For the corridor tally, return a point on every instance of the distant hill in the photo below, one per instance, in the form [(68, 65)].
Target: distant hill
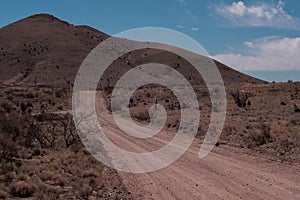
[(45, 50)]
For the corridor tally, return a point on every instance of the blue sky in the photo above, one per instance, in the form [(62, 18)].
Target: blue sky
[(258, 37)]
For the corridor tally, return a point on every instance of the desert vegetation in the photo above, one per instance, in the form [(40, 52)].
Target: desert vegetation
[(41, 154), (261, 119)]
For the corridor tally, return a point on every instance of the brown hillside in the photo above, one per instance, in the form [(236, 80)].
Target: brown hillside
[(48, 51), (46, 48)]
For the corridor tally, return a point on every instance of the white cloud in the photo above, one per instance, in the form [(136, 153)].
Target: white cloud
[(267, 54), (195, 28), (238, 8), (261, 14), (179, 26), (249, 44)]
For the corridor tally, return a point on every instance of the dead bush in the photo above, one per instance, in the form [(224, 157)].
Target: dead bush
[(69, 131), (85, 191), (45, 192), (46, 175), (260, 135), (22, 189), (59, 180), (11, 127), (240, 98), (30, 95), (59, 93), (9, 177), (6, 167), (36, 152), (8, 107), (296, 108), (88, 173), (142, 116)]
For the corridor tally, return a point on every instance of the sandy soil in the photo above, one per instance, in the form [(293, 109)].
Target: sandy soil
[(226, 173)]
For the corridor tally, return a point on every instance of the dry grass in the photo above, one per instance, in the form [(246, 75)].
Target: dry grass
[(265, 125), (41, 155), (60, 171)]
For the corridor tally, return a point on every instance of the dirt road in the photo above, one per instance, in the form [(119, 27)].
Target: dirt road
[(226, 173)]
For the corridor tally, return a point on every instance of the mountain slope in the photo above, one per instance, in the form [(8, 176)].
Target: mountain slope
[(44, 50)]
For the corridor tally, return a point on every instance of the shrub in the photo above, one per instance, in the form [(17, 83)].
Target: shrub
[(30, 95), (142, 116), (9, 177), (22, 189), (36, 152), (261, 135), (296, 108), (85, 191), (240, 98), (46, 193), (7, 107), (59, 180), (283, 103), (88, 173), (46, 175), (59, 93), (11, 127), (6, 167)]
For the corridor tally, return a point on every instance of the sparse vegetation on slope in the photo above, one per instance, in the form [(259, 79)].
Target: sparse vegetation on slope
[(41, 156)]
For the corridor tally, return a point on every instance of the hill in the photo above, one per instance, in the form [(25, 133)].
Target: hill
[(44, 50)]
